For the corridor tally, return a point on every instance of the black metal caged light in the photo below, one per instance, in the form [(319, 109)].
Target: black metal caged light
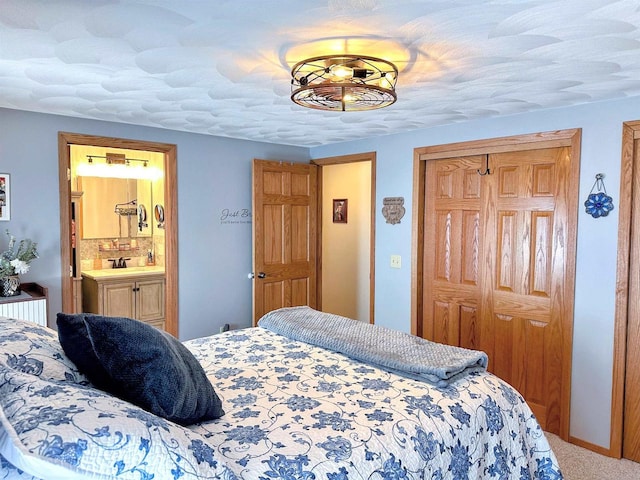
[(344, 83)]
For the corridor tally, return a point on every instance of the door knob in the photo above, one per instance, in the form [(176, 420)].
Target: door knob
[(260, 275)]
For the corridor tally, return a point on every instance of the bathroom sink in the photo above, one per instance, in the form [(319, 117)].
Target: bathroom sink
[(123, 272), (152, 269)]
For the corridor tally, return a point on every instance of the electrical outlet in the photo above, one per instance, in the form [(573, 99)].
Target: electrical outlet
[(396, 261), (224, 328)]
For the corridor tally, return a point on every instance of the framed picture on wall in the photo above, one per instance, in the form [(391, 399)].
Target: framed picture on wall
[(5, 197), (340, 210)]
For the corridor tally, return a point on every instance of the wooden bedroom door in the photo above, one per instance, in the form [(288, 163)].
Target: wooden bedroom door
[(284, 235), (495, 267), (625, 436)]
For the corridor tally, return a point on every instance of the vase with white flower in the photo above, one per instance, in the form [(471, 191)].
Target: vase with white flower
[(14, 261)]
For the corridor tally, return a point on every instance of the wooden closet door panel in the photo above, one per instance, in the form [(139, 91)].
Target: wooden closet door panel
[(518, 305), (525, 277), (494, 266), (452, 239)]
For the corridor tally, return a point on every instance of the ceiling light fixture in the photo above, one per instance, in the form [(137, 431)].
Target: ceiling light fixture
[(344, 83)]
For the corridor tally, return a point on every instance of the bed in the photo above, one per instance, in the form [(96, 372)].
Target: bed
[(292, 410)]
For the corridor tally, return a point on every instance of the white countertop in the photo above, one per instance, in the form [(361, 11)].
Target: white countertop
[(112, 273)]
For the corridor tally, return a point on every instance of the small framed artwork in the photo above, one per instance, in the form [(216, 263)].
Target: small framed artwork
[(5, 197), (340, 210)]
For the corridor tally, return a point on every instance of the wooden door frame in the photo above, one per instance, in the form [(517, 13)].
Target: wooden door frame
[(342, 159), (561, 138), (626, 260), (65, 140)]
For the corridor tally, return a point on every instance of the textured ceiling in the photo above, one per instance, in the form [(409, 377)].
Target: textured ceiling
[(222, 67)]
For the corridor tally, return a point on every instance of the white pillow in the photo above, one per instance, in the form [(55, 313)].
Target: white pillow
[(55, 425), (30, 348)]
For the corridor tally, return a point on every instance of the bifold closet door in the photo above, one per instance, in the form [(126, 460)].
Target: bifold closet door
[(494, 266)]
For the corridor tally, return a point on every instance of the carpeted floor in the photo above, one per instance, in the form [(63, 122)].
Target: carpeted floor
[(578, 463)]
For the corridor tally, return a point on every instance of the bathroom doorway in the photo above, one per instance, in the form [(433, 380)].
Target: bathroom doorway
[(146, 236)]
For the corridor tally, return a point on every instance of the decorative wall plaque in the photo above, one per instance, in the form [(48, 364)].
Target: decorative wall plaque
[(598, 204), (393, 209)]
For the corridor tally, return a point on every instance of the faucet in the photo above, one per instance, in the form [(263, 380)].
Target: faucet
[(119, 263)]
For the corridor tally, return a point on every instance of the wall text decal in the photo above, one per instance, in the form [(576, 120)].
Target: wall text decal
[(231, 216)]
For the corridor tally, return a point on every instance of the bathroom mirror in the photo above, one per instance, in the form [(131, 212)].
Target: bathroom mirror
[(114, 207)]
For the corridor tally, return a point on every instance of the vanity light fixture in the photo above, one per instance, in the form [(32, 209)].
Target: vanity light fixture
[(117, 165), (344, 83)]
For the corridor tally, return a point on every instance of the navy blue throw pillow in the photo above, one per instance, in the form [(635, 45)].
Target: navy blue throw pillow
[(140, 364), (77, 346)]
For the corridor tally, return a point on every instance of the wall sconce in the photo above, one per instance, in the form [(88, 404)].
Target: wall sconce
[(117, 165)]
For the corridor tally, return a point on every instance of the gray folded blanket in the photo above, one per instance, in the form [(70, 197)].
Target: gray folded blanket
[(389, 349)]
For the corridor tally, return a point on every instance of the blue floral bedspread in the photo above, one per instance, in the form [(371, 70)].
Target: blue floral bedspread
[(293, 411)]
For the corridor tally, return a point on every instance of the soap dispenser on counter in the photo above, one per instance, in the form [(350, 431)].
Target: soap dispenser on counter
[(150, 259)]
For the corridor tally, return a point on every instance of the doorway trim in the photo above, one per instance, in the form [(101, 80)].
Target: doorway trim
[(341, 159), (561, 138), (627, 258), (65, 140)]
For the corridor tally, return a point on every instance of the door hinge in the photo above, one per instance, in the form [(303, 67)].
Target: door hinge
[(71, 270), (68, 174)]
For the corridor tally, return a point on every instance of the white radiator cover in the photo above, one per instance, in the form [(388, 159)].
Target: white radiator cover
[(32, 310)]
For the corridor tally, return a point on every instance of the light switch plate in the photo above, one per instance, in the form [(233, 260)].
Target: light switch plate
[(396, 261)]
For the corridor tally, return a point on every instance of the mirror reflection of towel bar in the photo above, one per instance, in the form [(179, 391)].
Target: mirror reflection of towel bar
[(126, 211)]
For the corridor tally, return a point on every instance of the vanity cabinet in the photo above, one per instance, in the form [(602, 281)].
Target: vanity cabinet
[(139, 297)]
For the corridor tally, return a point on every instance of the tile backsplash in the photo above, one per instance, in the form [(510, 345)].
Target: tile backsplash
[(95, 253)]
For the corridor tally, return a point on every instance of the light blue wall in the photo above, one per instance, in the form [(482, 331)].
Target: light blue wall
[(601, 125), (214, 173)]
